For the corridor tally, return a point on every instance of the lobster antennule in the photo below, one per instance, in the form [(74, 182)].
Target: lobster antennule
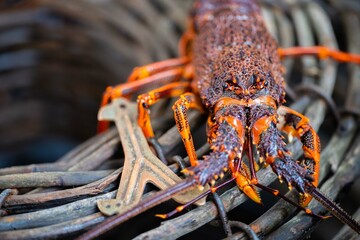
[(335, 209)]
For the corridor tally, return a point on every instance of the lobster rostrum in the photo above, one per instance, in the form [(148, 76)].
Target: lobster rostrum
[(230, 67)]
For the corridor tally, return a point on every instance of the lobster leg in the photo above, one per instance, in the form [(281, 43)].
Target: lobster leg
[(186, 40), (151, 69), (295, 124), (245, 184), (186, 101), (321, 51), (126, 89), (147, 99)]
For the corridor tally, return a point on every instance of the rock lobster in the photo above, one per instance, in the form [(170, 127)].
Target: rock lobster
[(230, 67)]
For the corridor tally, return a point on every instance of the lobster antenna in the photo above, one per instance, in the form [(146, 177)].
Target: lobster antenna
[(143, 206), (335, 209)]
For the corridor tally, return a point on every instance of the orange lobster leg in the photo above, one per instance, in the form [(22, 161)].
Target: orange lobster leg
[(186, 101), (149, 70), (243, 182), (321, 51), (186, 40), (129, 88), (147, 99), (247, 188), (297, 125)]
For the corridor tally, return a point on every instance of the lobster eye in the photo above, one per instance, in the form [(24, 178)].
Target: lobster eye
[(229, 85), (257, 82), (225, 85), (253, 79)]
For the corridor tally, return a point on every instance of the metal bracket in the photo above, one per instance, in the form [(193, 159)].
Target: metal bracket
[(141, 166)]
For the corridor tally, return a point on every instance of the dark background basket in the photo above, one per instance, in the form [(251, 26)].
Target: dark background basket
[(56, 59)]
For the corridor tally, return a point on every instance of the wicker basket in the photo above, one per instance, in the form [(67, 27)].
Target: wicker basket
[(58, 57)]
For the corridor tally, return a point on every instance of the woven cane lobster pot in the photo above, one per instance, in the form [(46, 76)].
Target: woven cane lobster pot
[(56, 59)]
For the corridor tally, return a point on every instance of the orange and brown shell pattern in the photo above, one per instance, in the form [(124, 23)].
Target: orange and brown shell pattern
[(238, 75)]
